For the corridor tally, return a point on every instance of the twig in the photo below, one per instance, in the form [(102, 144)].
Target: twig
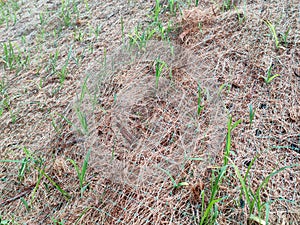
[(23, 193)]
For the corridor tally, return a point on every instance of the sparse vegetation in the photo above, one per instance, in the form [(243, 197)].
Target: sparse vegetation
[(115, 112), (269, 77), (81, 173)]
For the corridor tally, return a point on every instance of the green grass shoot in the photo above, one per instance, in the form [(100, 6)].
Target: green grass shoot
[(82, 173), (268, 79)]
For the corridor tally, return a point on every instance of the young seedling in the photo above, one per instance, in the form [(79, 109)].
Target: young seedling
[(140, 38), (65, 13), (122, 30), (270, 76), (253, 198), (172, 6), (63, 74), (273, 32), (104, 57), (81, 173), (64, 70), (175, 184), (24, 164), (157, 10), (251, 114), (230, 127), (53, 61), (226, 5), (83, 121), (241, 17), (97, 30), (284, 36), (9, 56), (159, 65), (42, 19), (210, 213), (25, 203), (38, 165), (199, 101), (162, 30)]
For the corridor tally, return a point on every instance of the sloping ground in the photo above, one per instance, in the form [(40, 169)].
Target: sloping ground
[(79, 92)]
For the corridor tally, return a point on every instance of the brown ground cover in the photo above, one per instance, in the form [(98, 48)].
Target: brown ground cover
[(72, 86)]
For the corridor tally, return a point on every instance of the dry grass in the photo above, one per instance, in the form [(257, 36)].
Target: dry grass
[(143, 136)]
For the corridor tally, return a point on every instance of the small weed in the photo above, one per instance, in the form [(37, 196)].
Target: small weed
[(162, 30), (24, 164), (251, 114), (172, 6), (159, 65), (4, 104), (175, 184), (226, 5), (9, 55), (284, 36), (12, 58), (4, 222), (37, 164), (200, 26), (25, 203), (200, 107), (104, 57), (240, 15), (63, 74), (42, 173), (97, 30), (13, 117), (66, 13), (78, 35), (8, 12), (140, 38), (42, 19), (273, 32), (268, 79), (210, 213), (53, 61), (58, 222), (3, 87), (81, 173), (253, 198), (157, 10), (122, 30), (83, 121), (230, 127)]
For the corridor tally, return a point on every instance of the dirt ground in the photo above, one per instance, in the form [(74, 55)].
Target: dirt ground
[(75, 88)]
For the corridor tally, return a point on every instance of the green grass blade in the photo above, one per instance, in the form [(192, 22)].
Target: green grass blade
[(40, 176), (249, 167), (170, 176), (218, 181), (84, 167), (266, 180), (208, 210), (242, 181), (63, 192), (76, 167)]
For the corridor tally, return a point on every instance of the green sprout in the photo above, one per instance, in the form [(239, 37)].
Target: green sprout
[(270, 76)]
